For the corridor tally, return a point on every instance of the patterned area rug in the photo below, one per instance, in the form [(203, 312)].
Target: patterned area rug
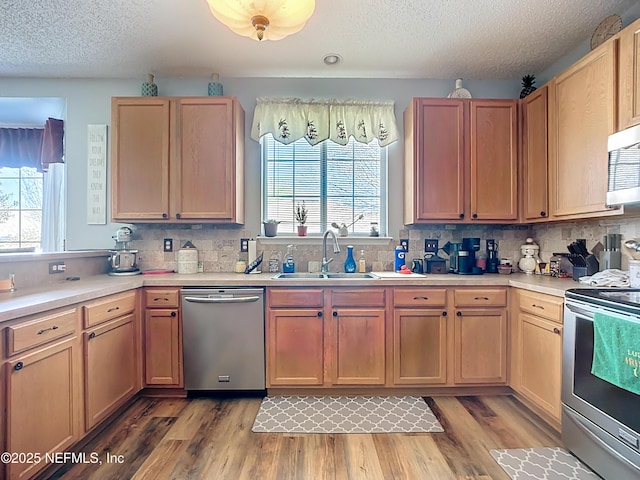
[(542, 464), (345, 415)]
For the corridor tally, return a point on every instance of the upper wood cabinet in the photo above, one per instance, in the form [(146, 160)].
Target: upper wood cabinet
[(629, 80), (177, 160), (534, 156), (582, 103), (460, 161)]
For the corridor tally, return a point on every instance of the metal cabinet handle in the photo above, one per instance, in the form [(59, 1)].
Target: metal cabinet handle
[(319, 314), (157, 299), (421, 298), (178, 215), (461, 215), (475, 215), (538, 306), (18, 366), (556, 330), (459, 314), (113, 309), (53, 327), (444, 314), (335, 314), (173, 314), (543, 214), (481, 298), (92, 335), (164, 215)]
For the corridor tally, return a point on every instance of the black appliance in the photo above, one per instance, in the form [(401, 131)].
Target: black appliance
[(432, 262), (492, 256), (452, 249), (600, 421), (467, 257)]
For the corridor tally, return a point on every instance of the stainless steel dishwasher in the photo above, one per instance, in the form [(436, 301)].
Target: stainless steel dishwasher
[(223, 338)]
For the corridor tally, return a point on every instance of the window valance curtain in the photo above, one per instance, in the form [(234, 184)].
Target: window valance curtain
[(32, 147), (290, 119)]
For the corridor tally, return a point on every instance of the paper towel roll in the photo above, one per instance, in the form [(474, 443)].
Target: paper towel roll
[(188, 260)]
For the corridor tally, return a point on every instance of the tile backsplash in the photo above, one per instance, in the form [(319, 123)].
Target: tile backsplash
[(218, 247)]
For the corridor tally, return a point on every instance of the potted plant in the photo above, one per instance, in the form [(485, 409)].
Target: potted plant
[(301, 218), (270, 227)]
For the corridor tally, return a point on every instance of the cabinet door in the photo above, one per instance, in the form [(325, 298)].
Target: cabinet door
[(480, 346), (629, 81), (494, 160), (541, 362), (358, 345), (139, 158), (295, 347), (535, 194), (583, 103), (44, 403), (163, 348), (205, 175), (109, 368), (419, 346), (435, 160)]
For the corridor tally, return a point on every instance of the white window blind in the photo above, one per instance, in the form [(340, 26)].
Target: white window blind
[(337, 183)]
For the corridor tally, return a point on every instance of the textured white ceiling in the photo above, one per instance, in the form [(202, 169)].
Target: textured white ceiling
[(479, 39)]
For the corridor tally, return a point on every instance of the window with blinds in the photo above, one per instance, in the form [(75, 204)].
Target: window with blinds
[(336, 183)]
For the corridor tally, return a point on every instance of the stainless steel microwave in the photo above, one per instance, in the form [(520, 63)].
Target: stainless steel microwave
[(624, 167)]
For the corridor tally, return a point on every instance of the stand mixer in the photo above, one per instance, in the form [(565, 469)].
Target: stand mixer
[(122, 260)]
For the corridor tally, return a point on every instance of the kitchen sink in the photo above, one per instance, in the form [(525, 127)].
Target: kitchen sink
[(298, 275), (330, 275)]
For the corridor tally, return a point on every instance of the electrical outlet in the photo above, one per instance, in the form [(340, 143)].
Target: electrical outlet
[(404, 242), (244, 244), (168, 244), (57, 267)]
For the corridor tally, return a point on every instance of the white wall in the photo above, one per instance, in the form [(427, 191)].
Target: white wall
[(88, 102)]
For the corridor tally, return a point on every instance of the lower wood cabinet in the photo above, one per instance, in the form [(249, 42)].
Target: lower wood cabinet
[(536, 357), (110, 368), (295, 347), (44, 403), (358, 346)]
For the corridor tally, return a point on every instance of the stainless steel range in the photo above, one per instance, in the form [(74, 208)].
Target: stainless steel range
[(600, 421)]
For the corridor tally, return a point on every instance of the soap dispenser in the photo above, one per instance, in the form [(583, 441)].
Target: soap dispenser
[(289, 266)]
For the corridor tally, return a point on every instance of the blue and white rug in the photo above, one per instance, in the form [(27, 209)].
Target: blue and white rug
[(307, 414), (542, 464)]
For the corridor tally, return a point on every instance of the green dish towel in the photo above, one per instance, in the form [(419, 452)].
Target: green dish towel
[(616, 351)]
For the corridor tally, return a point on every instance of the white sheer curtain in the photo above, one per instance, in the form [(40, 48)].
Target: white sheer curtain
[(290, 119), (53, 208)]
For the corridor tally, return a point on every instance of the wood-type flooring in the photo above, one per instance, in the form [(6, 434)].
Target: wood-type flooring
[(210, 438)]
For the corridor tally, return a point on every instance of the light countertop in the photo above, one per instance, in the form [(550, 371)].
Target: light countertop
[(36, 300)]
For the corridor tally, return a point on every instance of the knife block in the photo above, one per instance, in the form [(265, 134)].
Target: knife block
[(610, 259), (589, 266)]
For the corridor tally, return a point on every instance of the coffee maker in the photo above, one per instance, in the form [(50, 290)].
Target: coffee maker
[(432, 262), (467, 256), (452, 249), (122, 260)]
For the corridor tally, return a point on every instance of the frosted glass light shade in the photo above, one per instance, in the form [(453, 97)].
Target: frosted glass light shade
[(263, 19)]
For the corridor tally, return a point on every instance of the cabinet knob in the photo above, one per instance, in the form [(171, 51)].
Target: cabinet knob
[(177, 215), (556, 330), (173, 314), (319, 314), (18, 366), (543, 214), (461, 215), (92, 335), (335, 314), (475, 215), (444, 314), (459, 314), (164, 215)]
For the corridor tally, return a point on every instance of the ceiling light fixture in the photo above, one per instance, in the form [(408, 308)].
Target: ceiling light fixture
[(332, 59), (263, 19)]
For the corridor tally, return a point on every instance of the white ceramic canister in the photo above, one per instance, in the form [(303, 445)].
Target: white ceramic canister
[(188, 260), (634, 273)]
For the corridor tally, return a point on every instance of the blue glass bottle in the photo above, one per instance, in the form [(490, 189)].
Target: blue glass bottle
[(350, 263)]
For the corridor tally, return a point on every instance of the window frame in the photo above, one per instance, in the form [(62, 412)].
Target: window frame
[(324, 224)]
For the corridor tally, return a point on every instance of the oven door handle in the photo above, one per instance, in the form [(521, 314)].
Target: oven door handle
[(600, 442), (580, 311)]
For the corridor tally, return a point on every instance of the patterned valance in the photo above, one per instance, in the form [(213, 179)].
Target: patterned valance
[(290, 119)]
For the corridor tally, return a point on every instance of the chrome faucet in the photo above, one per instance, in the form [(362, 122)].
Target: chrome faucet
[(336, 249)]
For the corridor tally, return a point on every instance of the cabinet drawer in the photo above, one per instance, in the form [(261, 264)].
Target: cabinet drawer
[(43, 329), (541, 305), (293, 297), (419, 297), (162, 297), (358, 297), (481, 297), (108, 308)]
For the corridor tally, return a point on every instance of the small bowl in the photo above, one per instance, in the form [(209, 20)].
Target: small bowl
[(504, 269)]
